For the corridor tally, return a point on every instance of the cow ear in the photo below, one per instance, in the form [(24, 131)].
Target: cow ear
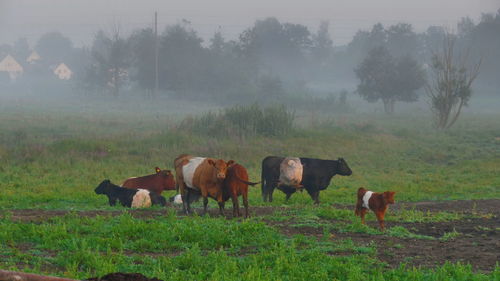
[(157, 170), (230, 162), (211, 162)]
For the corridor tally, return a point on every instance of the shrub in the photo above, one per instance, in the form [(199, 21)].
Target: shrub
[(242, 121)]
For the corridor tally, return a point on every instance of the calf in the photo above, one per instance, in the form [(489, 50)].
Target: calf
[(377, 202), (162, 180), (135, 198), (203, 175), (235, 184)]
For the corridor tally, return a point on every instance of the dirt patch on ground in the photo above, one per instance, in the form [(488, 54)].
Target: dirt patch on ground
[(475, 240), (486, 206), (118, 276)]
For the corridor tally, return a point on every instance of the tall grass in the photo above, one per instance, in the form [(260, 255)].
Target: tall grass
[(242, 121)]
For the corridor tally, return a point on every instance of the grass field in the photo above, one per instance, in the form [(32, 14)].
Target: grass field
[(52, 157)]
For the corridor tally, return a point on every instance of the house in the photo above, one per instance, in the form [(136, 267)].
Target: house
[(12, 67), (33, 58), (63, 72)]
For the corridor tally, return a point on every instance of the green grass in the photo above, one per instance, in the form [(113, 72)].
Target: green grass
[(196, 248), (53, 158)]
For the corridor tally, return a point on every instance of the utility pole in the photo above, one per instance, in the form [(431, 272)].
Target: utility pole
[(156, 55)]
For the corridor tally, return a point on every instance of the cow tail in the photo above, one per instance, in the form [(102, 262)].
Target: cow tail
[(247, 182)]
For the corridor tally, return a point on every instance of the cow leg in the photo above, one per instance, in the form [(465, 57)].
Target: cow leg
[(380, 218), (236, 207), (187, 203), (264, 191), (288, 195), (205, 204), (362, 214), (185, 197), (221, 208), (112, 201), (245, 203), (314, 195)]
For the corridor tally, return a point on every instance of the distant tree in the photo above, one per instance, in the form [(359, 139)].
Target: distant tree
[(451, 85), (271, 86), (182, 59), (433, 39), (276, 47), (483, 41), (365, 41), (22, 49), (142, 44), (322, 44), (110, 61), (383, 77), (402, 40), (53, 47)]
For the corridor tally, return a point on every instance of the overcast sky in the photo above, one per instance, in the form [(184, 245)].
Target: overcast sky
[(80, 19)]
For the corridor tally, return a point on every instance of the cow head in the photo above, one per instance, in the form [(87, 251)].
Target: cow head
[(167, 179), (103, 187), (220, 167), (389, 197), (343, 169)]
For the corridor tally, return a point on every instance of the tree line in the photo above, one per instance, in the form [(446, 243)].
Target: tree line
[(270, 60)]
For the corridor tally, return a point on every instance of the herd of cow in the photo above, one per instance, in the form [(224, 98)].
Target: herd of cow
[(197, 177)]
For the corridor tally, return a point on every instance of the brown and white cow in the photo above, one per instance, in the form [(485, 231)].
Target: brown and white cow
[(203, 175), (236, 184), (162, 180), (377, 202)]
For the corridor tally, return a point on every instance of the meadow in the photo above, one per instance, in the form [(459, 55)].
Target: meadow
[(52, 156)]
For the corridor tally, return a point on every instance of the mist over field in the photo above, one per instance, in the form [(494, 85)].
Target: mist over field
[(399, 97)]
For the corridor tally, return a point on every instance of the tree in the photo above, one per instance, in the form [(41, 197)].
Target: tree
[(322, 44), (142, 44), (53, 47), (383, 77), (22, 49), (401, 40), (110, 61), (450, 88), (182, 58), (276, 47)]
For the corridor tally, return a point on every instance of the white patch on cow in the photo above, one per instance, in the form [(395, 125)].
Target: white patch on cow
[(189, 169), (291, 171), (141, 199), (367, 197), (178, 199)]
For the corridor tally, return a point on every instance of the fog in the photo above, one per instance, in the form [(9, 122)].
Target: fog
[(214, 54), (79, 20)]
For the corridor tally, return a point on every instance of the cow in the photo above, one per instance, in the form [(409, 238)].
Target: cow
[(162, 180), (128, 197), (235, 184), (317, 174), (377, 202), (204, 175)]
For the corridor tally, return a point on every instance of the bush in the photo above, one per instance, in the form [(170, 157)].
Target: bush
[(243, 121)]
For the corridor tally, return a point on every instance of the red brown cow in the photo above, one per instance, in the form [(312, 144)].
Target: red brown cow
[(236, 184), (203, 175), (162, 180), (377, 202)]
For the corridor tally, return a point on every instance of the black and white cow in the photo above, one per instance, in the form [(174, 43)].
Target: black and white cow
[(135, 198), (316, 176)]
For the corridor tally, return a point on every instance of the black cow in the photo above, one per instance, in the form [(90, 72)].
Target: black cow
[(316, 176), (125, 195)]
